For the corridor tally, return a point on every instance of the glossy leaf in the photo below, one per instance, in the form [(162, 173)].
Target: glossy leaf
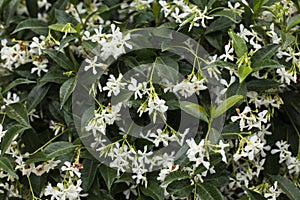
[(59, 148), (153, 190), (208, 192), (293, 21), (61, 59), (19, 81), (225, 105), (35, 25), (36, 95), (108, 174), (174, 176), (195, 110), (6, 166), (254, 195), (66, 90), (287, 186), (239, 45), (18, 112)]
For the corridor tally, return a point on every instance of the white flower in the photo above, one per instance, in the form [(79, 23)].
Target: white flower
[(273, 192), (71, 169), (155, 104), (2, 132), (138, 171), (41, 66), (273, 35), (37, 46), (283, 151), (242, 117), (92, 64), (221, 151), (139, 88), (160, 137), (286, 76), (228, 53), (244, 33), (114, 85), (196, 153)]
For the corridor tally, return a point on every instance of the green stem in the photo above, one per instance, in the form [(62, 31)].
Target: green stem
[(47, 143)]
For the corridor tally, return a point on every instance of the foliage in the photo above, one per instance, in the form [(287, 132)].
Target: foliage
[(92, 92)]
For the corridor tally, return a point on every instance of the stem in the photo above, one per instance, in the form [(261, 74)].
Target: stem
[(39, 149), (31, 190)]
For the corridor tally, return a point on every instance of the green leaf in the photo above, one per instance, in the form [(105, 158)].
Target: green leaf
[(35, 25), (153, 190), (215, 39), (180, 188), (239, 45), (54, 75), (37, 157), (108, 174), (88, 173), (293, 22), (64, 18), (208, 192), (64, 28), (243, 71), (225, 105), (19, 81), (228, 13), (195, 110), (36, 95), (32, 7), (174, 176), (264, 53), (6, 166), (263, 64), (38, 182), (66, 90), (167, 67), (60, 58), (287, 186), (257, 4), (18, 112), (12, 133), (219, 24), (57, 149), (254, 195), (262, 84)]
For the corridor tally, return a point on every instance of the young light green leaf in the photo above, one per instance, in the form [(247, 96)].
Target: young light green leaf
[(174, 176), (208, 192), (65, 28), (12, 133), (194, 109), (35, 25), (239, 45), (18, 112), (254, 195), (153, 190), (57, 149), (19, 81), (36, 95), (287, 186), (108, 174), (225, 105), (6, 166), (293, 21), (66, 90), (60, 58), (243, 71)]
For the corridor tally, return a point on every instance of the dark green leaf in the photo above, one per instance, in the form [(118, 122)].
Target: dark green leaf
[(265, 53), (153, 190), (56, 149), (262, 84), (35, 25), (180, 188), (54, 75), (167, 67), (228, 13), (295, 20), (208, 192), (32, 7), (266, 64), (18, 112), (239, 45), (60, 58), (6, 166), (36, 95), (38, 182), (108, 174), (37, 157), (254, 195), (64, 18), (17, 82), (219, 24), (174, 176), (12, 133), (88, 173), (66, 90), (225, 105), (287, 186)]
